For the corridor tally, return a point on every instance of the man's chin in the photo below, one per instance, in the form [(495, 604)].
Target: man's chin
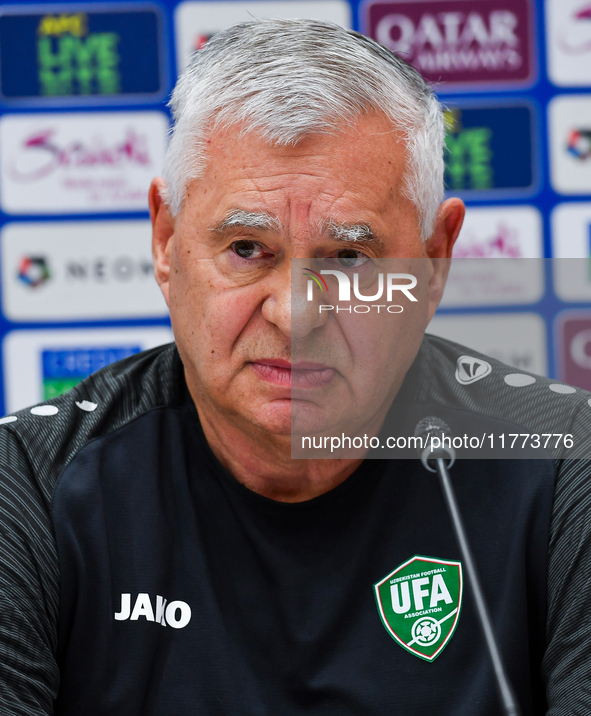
[(290, 417), (273, 417)]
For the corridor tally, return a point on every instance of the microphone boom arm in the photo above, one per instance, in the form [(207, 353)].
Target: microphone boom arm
[(508, 699)]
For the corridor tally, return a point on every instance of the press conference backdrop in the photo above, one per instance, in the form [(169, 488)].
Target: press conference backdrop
[(83, 129)]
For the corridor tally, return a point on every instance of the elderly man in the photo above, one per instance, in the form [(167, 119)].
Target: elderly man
[(163, 551)]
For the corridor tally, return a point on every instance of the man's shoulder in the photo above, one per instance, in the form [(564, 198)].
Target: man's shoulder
[(464, 379), (45, 437)]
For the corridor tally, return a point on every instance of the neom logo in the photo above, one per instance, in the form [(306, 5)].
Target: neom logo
[(390, 283), (579, 143), (101, 269), (34, 271)]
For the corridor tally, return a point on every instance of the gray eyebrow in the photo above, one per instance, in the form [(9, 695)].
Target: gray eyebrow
[(248, 220), (263, 221), (349, 232)]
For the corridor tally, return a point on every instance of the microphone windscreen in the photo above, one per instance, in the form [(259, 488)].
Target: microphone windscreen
[(432, 426), (436, 438)]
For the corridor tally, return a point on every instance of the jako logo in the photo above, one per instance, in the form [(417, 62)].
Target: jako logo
[(176, 614), (345, 290), (470, 369)]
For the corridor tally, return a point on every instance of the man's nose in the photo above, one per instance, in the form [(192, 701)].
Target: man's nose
[(288, 303)]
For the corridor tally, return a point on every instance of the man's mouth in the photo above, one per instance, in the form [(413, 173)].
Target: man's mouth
[(303, 374)]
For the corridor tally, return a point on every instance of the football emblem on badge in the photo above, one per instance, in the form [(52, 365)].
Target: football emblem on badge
[(426, 631), (419, 604)]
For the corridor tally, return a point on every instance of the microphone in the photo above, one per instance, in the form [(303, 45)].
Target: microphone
[(438, 458), (431, 429)]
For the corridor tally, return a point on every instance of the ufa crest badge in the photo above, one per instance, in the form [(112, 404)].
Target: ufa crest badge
[(420, 603)]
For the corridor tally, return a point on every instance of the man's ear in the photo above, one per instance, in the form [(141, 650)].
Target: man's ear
[(450, 218), (440, 246), (162, 233)]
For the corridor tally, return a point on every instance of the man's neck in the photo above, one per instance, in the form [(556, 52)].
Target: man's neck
[(264, 465)]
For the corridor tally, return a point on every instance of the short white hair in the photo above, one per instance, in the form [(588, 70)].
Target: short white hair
[(289, 79)]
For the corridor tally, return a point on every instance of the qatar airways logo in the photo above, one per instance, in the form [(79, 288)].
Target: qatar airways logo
[(456, 41), (387, 285)]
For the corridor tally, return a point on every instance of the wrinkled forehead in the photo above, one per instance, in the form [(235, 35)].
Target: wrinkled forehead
[(359, 135), (361, 165)]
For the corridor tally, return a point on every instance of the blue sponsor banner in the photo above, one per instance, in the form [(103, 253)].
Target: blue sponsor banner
[(81, 362), (490, 149), (65, 368), (81, 53)]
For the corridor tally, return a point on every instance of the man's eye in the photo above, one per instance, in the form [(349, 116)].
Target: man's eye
[(248, 249), (349, 258)]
